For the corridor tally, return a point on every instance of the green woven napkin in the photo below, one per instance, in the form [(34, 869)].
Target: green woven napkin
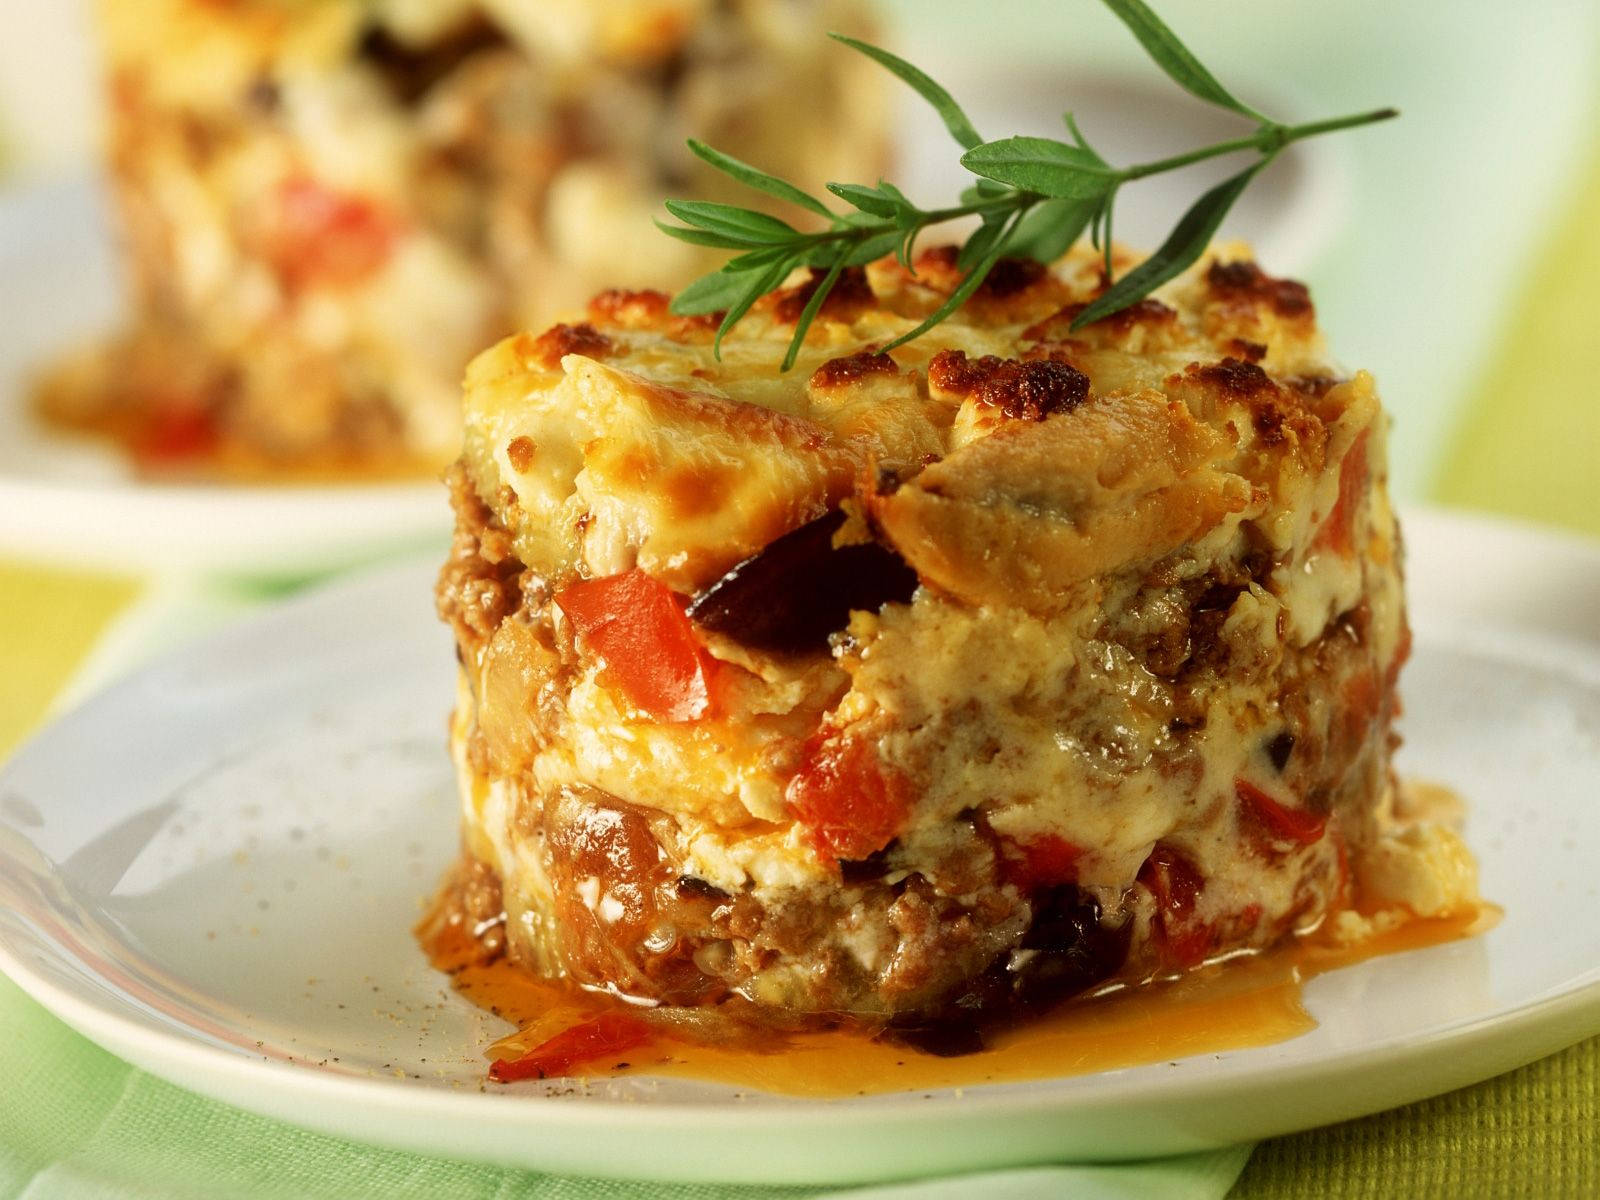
[(77, 1123), (1532, 1133)]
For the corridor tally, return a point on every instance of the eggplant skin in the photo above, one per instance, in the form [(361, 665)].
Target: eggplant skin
[(801, 589)]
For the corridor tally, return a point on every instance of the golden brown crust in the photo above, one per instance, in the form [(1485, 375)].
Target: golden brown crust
[(936, 267), (1148, 311), (620, 308), (852, 368), (687, 458), (1025, 390), (520, 452), (555, 343), (1244, 281), (848, 297), (1009, 354)]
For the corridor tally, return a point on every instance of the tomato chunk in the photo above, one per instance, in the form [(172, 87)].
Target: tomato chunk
[(1338, 531), (1287, 824), (177, 432), (635, 625), (1175, 883), (321, 236), (608, 1034), (1043, 861), (851, 803)]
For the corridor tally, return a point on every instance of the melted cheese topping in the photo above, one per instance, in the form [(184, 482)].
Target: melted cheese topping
[(1177, 432)]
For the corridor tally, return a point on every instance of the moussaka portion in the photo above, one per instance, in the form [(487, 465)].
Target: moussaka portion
[(938, 685), (329, 207)]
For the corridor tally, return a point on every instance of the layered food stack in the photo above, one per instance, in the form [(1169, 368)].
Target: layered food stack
[(330, 205), (929, 687)]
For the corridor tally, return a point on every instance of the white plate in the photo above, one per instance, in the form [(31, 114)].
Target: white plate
[(66, 499), (211, 870)]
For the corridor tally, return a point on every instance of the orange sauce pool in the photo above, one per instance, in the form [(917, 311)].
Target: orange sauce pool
[(232, 461), (1252, 1001)]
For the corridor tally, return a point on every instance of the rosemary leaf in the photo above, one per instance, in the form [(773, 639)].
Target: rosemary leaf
[(943, 103), (1042, 165), (705, 237), (752, 259), (868, 200), (756, 178), (984, 190), (809, 314), (894, 193), (1173, 57), (969, 284), (873, 249), (983, 240), (1183, 247), (1048, 232), (757, 285), (730, 220), (711, 293), (1079, 140), (1108, 206)]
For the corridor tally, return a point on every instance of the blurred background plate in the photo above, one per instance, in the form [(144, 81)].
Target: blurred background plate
[(74, 501)]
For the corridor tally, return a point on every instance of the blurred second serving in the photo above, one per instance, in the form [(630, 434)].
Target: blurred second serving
[(329, 205)]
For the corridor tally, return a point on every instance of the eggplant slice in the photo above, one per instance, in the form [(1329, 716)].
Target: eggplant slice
[(802, 588)]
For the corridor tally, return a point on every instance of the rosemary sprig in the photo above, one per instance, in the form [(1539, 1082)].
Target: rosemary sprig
[(1034, 197)]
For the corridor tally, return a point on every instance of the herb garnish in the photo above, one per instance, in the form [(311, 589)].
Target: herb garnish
[(1034, 196)]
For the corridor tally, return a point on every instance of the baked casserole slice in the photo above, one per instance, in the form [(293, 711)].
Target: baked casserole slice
[(936, 686), (329, 206)]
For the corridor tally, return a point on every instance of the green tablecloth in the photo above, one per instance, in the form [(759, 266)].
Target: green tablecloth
[(78, 1124)]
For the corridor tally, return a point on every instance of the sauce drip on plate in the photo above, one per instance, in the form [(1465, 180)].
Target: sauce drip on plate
[(1247, 1001)]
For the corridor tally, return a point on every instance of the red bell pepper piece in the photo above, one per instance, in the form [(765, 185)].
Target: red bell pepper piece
[(177, 432), (1284, 823), (851, 803), (1040, 862), (610, 1033), (320, 236), (638, 629), (1175, 884), (1338, 531)]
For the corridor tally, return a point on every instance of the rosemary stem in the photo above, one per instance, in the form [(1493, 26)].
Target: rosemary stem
[(1268, 138), (865, 230), (1295, 132), (1161, 165)]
